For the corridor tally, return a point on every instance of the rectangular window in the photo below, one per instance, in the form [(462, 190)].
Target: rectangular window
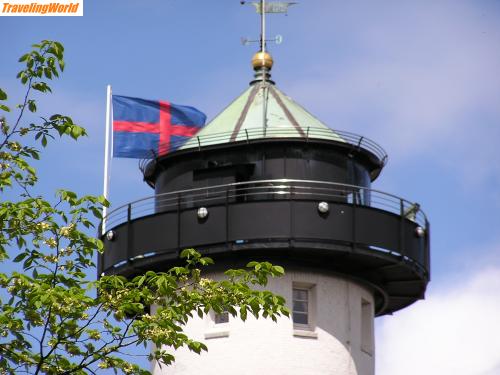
[(366, 327), (217, 325), (221, 318), (301, 306), (304, 310)]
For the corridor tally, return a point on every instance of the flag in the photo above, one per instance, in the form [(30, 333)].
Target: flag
[(145, 128)]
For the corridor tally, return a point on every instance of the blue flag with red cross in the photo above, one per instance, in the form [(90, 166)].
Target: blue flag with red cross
[(145, 129)]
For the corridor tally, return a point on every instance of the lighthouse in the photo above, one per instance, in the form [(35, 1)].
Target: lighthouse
[(266, 180)]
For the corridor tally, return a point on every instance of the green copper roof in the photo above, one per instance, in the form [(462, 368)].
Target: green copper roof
[(243, 119)]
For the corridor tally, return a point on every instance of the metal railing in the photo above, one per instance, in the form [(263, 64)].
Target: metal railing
[(267, 190), (307, 133)]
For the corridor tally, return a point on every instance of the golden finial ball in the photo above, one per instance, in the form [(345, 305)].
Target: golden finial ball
[(262, 60)]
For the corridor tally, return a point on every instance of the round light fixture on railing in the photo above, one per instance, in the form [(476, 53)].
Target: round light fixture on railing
[(419, 231), (202, 213), (323, 207), (110, 235)]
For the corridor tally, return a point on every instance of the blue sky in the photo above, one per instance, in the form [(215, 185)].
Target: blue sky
[(421, 78)]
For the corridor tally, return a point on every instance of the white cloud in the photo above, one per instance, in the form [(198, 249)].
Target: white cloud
[(456, 330)]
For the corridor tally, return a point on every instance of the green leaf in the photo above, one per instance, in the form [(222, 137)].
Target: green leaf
[(4, 108), (48, 73), (3, 95), (141, 280), (20, 257), (32, 106), (41, 86), (243, 313), (24, 57), (75, 132), (278, 270), (59, 46)]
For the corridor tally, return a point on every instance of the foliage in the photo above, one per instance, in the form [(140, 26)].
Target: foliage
[(52, 319)]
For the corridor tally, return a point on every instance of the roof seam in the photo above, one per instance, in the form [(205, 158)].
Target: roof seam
[(244, 113), (288, 114)]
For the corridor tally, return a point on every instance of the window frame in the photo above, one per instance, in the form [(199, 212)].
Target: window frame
[(224, 317), (213, 329), (309, 329), (307, 312)]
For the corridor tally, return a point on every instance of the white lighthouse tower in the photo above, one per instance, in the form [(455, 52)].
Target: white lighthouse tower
[(275, 183), (331, 332)]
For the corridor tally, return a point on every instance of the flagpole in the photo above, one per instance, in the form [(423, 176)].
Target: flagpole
[(109, 113)]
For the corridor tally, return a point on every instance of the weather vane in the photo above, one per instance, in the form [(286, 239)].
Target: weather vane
[(263, 7), (262, 61)]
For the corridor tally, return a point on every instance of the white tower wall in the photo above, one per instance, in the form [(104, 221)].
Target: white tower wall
[(338, 340)]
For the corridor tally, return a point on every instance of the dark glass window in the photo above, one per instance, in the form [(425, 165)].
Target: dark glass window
[(221, 318), (300, 306)]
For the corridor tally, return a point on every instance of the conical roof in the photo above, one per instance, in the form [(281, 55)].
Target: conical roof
[(262, 111)]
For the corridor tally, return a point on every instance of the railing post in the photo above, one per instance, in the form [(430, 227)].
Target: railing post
[(292, 216), (129, 233), (401, 227), (427, 248), (360, 142), (179, 222), (354, 245), (227, 217)]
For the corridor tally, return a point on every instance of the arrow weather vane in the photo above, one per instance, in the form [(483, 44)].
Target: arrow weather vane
[(263, 7)]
